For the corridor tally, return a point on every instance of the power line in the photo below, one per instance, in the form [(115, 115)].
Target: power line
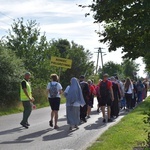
[(5, 22), (3, 28), (7, 16)]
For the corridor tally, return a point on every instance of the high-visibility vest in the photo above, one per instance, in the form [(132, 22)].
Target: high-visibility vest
[(23, 96)]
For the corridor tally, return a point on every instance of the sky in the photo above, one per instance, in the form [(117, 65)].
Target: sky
[(60, 19)]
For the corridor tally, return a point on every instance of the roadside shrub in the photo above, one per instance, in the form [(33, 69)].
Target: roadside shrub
[(11, 70)]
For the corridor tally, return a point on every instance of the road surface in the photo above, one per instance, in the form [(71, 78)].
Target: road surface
[(40, 136)]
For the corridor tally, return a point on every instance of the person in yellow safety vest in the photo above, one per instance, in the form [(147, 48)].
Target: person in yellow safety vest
[(26, 98)]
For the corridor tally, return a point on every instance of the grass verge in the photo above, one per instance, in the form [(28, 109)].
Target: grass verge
[(19, 108), (128, 133)]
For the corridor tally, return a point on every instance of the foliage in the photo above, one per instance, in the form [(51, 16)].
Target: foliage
[(111, 68), (11, 70), (126, 25), (25, 40), (35, 51), (130, 68), (81, 64)]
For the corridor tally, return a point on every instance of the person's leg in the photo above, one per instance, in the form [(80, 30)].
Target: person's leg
[(98, 104), (130, 100), (27, 111), (108, 111), (103, 111), (52, 115), (140, 96), (88, 111), (84, 112), (127, 100), (51, 103), (90, 104), (56, 106), (55, 118)]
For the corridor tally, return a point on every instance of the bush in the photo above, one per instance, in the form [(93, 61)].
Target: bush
[(11, 70)]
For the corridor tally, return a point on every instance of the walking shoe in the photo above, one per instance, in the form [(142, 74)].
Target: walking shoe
[(24, 125), (56, 127), (76, 127), (109, 120), (84, 119), (70, 128), (88, 117), (51, 123), (104, 120), (27, 124)]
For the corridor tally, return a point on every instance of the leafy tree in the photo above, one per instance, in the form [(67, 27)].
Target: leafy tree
[(63, 45), (25, 40), (126, 25), (81, 60), (11, 71), (111, 68), (147, 62), (130, 68)]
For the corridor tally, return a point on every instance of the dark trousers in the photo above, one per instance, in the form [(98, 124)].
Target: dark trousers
[(139, 96), (27, 111), (83, 111), (128, 100)]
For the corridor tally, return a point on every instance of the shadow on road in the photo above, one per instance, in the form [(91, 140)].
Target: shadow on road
[(63, 132), (62, 119), (25, 138), (98, 124), (10, 131)]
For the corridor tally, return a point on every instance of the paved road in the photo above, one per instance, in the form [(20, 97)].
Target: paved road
[(42, 137)]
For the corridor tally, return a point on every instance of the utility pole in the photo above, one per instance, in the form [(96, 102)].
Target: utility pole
[(99, 52)]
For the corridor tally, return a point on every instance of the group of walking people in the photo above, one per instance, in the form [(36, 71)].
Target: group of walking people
[(110, 92)]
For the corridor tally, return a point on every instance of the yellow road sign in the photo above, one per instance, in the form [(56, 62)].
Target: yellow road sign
[(61, 62)]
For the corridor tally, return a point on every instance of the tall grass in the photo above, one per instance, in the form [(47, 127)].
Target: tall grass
[(41, 101)]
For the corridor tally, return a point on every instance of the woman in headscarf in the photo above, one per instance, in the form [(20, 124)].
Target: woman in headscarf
[(74, 99)]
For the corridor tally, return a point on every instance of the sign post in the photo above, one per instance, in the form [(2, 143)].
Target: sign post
[(61, 62)]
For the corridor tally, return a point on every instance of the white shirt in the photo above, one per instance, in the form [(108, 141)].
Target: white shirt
[(130, 89), (59, 87)]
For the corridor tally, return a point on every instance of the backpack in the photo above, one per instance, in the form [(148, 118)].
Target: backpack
[(139, 87), (53, 90), (104, 91), (85, 89)]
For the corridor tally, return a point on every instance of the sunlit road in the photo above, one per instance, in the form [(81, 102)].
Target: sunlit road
[(40, 136)]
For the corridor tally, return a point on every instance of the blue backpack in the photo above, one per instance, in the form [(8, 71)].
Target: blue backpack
[(53, 90)]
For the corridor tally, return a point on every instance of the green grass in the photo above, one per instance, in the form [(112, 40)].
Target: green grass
[(19, 108), (128, 133)]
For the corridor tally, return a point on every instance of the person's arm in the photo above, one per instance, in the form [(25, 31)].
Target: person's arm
[(26, 93), (60, 89), (24, 87), (119, 92), (112, 94)]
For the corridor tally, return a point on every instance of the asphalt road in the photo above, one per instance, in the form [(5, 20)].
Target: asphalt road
[(40, 136)]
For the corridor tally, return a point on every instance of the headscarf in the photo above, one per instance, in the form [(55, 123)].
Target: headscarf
[(75, 94)]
